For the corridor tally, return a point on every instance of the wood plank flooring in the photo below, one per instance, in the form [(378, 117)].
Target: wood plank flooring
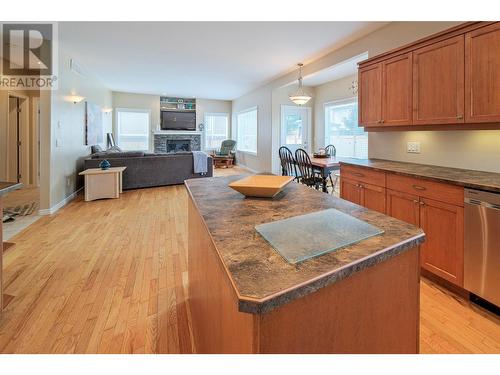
[(110, 277)]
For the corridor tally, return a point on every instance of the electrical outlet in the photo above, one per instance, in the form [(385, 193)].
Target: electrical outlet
[(413, 147)]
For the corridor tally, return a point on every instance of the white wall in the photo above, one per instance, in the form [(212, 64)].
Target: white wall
[(280, 96), (468, 149), (262, 99), (328, 92), (212, 106), (67, 124), (152, 103)]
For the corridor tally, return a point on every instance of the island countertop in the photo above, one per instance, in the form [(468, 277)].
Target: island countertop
[(482, 180), (6, 187), (261, 278)]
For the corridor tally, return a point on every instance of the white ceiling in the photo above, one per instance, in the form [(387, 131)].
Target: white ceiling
[(216, 60)]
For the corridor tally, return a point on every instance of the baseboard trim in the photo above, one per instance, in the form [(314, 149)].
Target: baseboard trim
[(61, 204), (247, 168)]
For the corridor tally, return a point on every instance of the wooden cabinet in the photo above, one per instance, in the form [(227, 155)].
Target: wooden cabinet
[(403, 206), (449, 79), (373, 197), (366, 195), (350, 191), (442, 253), (434, 206), (370, 95), (438, 83), (482, 74), (363, 186), (397, 90)]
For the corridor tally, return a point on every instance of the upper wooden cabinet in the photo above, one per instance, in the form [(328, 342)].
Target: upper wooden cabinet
[(397, 90), (449, 79), (482, 74), (370, 95), (438, 83)]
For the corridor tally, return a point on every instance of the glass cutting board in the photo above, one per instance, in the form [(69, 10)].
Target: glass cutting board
[(303, 237)]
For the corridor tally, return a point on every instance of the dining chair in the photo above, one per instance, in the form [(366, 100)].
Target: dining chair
[(332, 151), (308, 175), (288, 164)]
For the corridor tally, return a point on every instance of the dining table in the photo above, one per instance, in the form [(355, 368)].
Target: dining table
[(325, 166)]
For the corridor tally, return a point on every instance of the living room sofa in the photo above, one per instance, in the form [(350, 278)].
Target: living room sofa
[(148, 169)]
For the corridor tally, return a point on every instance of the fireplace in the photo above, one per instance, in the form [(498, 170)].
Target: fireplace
[(177, 145), (165, 142)]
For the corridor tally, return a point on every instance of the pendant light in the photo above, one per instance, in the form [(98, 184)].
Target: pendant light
[(300, 97)]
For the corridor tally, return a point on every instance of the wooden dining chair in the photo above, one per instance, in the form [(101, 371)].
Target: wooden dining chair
[(288, 164), (332, 151), (308, 175)]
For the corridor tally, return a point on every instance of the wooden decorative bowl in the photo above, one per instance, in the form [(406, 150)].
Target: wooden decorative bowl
[(263, 186)]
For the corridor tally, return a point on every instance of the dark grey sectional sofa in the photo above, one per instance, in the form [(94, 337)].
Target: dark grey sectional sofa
[(148, 170)]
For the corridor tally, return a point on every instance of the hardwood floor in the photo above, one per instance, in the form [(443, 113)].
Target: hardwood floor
[(110, 277)]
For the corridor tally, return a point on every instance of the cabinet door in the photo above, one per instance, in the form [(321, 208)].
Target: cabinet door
[(370, 95), (438, 83), (482, 74), (442, 253), (403, 206), (373, 197), (397, 90), (350, 190)]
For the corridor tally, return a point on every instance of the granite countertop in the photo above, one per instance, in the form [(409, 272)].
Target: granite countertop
[(462, 177), (263, 280), (6, 187)]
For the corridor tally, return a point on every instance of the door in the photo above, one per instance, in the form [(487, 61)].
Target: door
[(403, 206), (482, 74), (397, 90), (442, 253), (295, 127), (373, 197), (438, 83), (13, 151), (350, 190), (370, 95)]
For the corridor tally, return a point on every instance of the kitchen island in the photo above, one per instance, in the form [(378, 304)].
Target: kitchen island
[(245, 298), (5, 187)]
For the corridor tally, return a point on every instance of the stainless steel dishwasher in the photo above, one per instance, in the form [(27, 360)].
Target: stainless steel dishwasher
[(482, 245)]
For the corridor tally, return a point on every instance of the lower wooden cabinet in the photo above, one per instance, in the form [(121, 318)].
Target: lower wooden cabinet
[(442, 253), (403, 206), (350, 191), (366, 195)]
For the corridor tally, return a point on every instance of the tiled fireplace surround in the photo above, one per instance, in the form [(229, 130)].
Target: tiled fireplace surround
[(161, 140)]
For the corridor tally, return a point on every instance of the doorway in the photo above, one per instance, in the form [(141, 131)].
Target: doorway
[(13, 140), (296, 127)]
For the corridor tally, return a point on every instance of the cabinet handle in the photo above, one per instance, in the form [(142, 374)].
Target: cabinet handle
[(357, 174), (381, 121), (360, 186), (415, 201), (422, 203), (417, 187), (459, 117)]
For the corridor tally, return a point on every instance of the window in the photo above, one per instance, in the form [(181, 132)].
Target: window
[(246, 129), (133, 129), (342, 131), (216, 129)]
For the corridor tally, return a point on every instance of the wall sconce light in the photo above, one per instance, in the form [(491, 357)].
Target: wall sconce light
[(107, 110), (75, 99)]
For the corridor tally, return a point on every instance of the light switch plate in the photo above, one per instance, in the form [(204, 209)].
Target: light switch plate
[(413, 147)]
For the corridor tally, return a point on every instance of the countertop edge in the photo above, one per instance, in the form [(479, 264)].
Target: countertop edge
[(269, 303), (425, 177)]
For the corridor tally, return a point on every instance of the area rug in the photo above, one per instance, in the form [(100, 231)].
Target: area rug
[(10, 213)]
